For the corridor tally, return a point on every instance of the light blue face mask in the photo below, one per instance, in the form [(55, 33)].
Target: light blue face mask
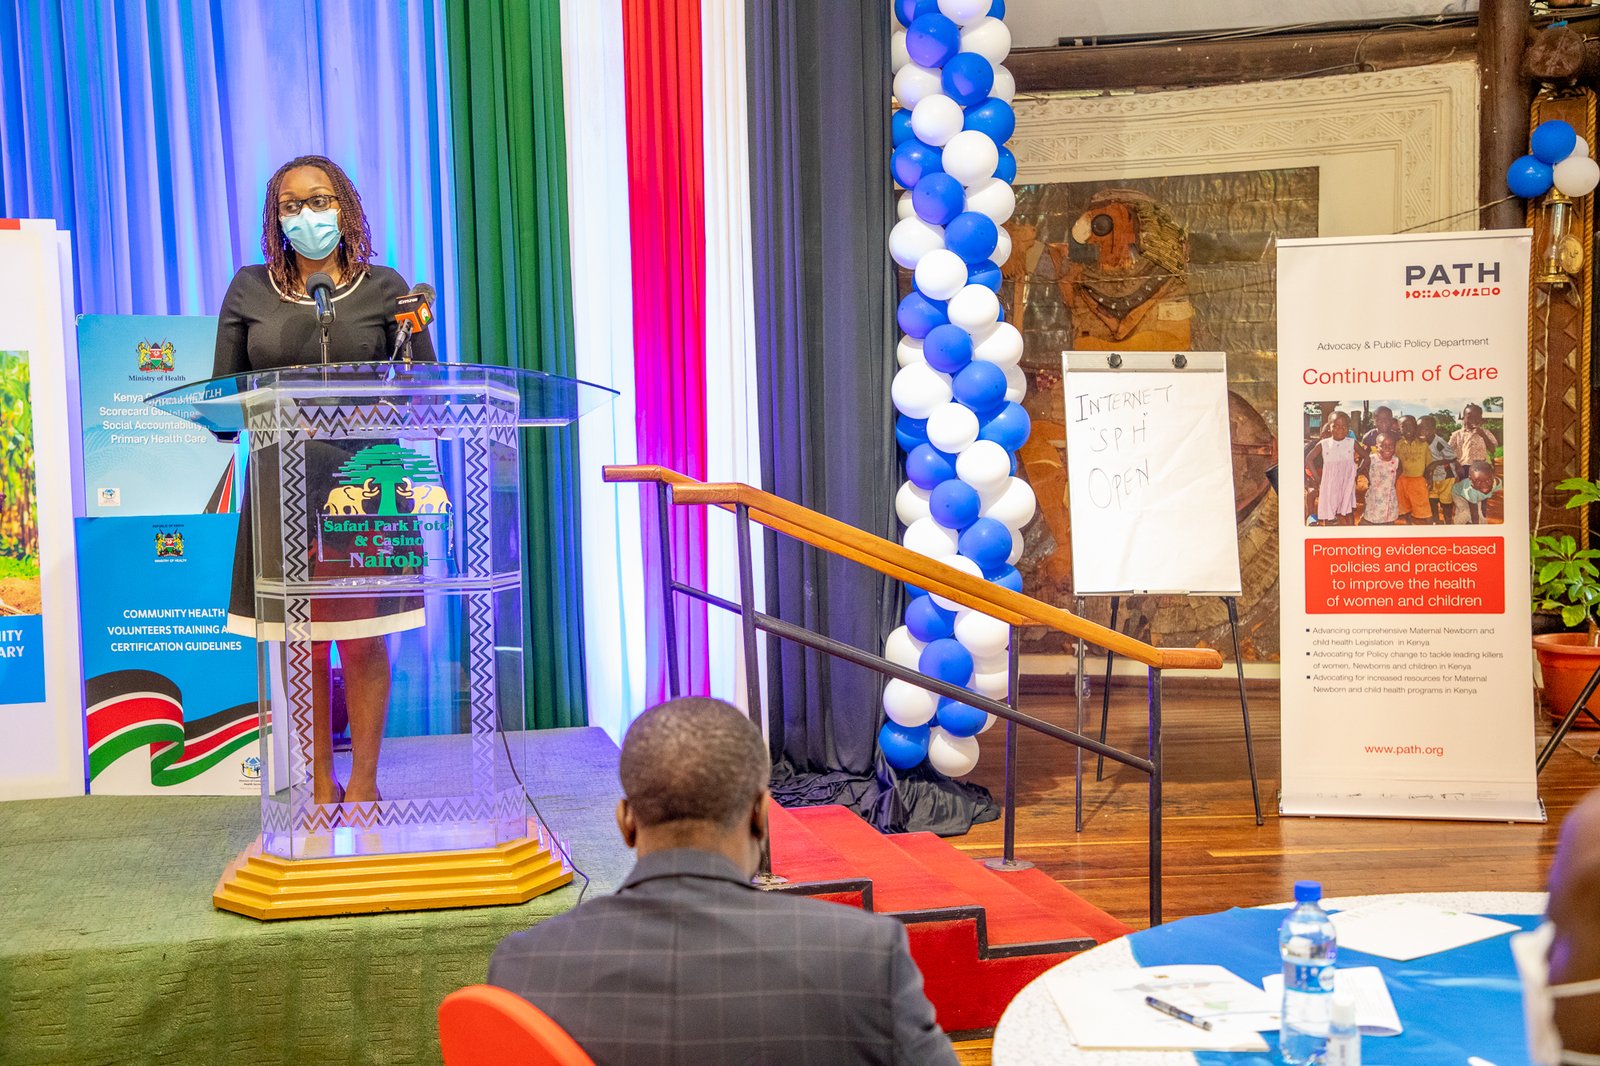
[(314, 234)]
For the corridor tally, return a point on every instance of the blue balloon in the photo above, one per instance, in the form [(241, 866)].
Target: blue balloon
[(1527, 177), (900, 126), (910, 432), (947, 348), (986, 274), (1007, 577), (981, 386), (926, 466), (958, 719), (903, 746), (993, 118), (954, 504), (932, 39), (928, 621), (908, 11), (997, 10), (917, 315), (972, 235), (947, 660), (967, 78), (1553, 141), (938, 198), (1006, 170), (1008, 427), (913, 161), (986, 542)]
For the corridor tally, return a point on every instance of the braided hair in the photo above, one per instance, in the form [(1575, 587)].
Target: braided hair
[(355, 236)]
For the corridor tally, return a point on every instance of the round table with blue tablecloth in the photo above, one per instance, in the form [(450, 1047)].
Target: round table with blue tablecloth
[(1459, 1003)]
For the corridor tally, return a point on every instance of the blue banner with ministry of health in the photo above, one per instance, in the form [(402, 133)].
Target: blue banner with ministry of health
[(169, 694)]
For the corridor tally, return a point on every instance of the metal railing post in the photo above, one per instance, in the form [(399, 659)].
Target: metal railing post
[(1155, 795), (1008, 852), (752, 674), (669, 602)]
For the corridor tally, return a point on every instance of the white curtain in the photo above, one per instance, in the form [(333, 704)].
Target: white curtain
[(602, 298), (733, 451)]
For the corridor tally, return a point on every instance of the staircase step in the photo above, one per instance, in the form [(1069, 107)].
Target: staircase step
[(801, 855), (899, 882)]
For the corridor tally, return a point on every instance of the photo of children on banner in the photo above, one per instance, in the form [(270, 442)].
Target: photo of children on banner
[(1404, 462)]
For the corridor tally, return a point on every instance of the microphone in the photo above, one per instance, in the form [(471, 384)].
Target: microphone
[(320, 288), (412, 312)]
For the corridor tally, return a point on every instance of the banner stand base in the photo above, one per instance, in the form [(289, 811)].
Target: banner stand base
[(269, 887), (1429, 809)]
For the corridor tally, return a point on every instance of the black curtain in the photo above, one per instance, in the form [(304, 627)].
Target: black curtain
[(821, 205)]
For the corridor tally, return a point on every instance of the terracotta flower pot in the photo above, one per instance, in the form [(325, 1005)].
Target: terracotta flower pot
[(1565, 661)]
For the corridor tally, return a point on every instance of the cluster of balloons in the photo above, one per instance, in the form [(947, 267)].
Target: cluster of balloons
[(1559, 158), (959, 387)]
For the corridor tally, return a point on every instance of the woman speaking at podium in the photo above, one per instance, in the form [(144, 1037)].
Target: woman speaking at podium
[(313, 223)]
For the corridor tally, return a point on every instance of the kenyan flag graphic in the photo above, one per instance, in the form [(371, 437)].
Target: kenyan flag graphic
[(131, 709)]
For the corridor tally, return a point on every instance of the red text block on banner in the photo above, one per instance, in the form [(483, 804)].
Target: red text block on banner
[(1412, 575)]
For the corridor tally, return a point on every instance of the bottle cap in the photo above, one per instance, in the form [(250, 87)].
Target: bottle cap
[(1344, 1009), (1307, 891)]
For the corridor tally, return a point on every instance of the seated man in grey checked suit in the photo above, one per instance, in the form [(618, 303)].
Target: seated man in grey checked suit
[(688, 963)]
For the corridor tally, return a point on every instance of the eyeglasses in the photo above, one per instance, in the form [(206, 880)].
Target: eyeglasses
[(319, 202)]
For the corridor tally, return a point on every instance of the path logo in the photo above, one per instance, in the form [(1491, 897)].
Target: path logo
[(169, 545), (250, 768), (157, 357), (387, 479)]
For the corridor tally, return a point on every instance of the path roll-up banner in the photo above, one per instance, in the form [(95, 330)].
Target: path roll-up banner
[(1403, 387)]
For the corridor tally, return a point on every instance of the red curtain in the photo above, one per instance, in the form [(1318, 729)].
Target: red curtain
[(666, 194)]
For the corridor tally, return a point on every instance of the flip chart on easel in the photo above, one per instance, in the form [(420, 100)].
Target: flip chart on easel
[(1150, 473)]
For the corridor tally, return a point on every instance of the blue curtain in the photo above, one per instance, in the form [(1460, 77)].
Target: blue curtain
[(149, 128)]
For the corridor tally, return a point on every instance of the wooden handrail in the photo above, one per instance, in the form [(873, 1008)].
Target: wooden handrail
[(896, 561)]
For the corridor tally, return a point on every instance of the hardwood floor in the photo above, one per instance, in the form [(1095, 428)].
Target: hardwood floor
[(1215, 855)]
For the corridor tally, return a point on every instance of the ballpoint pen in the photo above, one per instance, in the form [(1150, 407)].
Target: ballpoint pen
[(1175, 1012)]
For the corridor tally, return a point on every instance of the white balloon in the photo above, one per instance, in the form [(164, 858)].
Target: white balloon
[(997, 686), (908, 351), (989, 38), (918, 390), (1014, 507), (912, 238), (910, 503), (981, 635), (913, 82), (1005, 86), (898, 56), (988, 664), (941, 274), (1577, 175), (950, 755), (974, 308), (1016, 551), (1002, 248), (903, 649), (964, 11), (993, 197), (927, 537), (985, 466), (966, 566), (952, 428), (907, 704), (1016, 384), (1001, 346), (936, 119), (988, 723), (904, 208), (1580, 147), (970, 157)]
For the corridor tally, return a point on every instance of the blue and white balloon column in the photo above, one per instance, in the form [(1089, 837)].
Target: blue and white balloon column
[(959, 387)]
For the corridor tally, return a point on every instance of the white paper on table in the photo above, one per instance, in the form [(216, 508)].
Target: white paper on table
[(1403, 930), (1375, 1013), (1106, 1011)]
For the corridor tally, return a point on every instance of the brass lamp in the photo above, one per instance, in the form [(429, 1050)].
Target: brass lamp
[(1563, 253)]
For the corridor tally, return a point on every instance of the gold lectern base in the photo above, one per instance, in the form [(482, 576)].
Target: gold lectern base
[(267, 887)]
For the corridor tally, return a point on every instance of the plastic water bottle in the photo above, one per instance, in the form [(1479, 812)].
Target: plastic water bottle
[(1344, 1036), (1307, 944)]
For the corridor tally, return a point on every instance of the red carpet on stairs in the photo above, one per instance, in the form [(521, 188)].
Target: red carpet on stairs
[(978, 936)]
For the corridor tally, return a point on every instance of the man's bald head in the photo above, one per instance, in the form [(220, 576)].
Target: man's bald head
[(693, 760)]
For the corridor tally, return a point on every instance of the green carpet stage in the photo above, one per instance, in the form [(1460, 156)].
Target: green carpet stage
[(112, 952)]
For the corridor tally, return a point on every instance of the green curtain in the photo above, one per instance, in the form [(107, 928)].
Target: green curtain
[(509, 138)]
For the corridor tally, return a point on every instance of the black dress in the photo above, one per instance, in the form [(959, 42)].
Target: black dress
[(258, 329)]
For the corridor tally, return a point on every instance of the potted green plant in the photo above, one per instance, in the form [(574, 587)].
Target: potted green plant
[(1566, 595)]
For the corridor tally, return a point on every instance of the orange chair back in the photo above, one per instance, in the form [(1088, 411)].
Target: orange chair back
[(482, 1025)]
